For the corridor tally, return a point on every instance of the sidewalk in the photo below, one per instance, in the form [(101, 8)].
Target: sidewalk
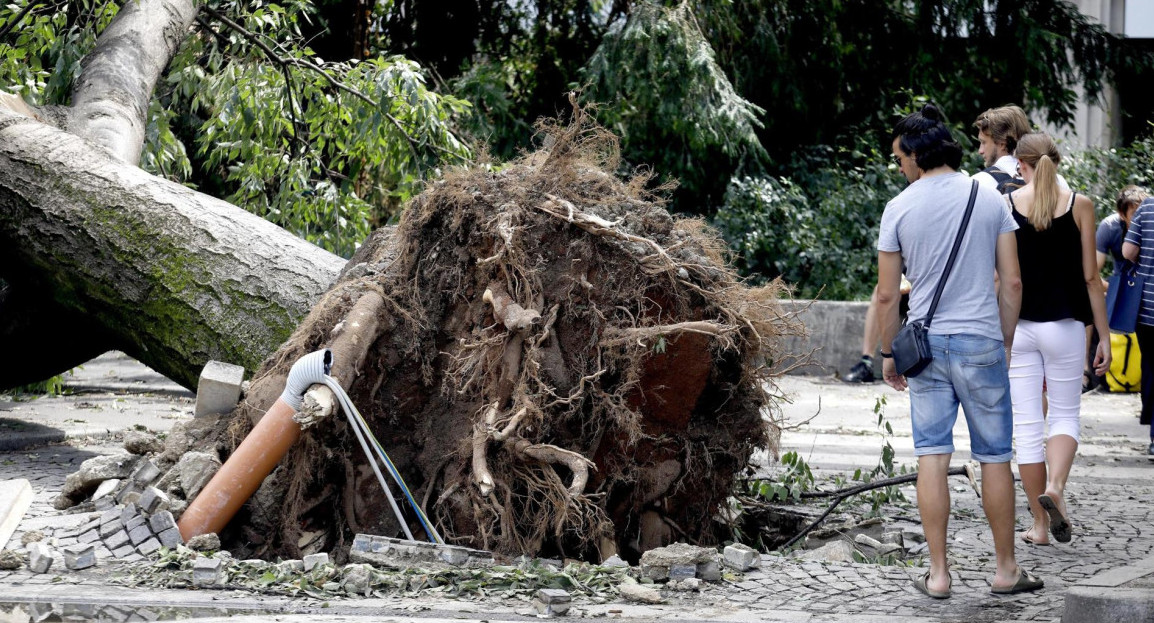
[(1111, 497)]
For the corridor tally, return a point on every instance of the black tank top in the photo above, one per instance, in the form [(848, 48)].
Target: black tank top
[(1053, 284)]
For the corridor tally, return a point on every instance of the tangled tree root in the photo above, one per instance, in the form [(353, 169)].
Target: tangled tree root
[(555, 364)]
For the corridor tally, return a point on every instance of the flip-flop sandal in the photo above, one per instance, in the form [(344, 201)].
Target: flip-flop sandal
[(1025, 583), (922, 584), (1028, 537), (1059, 525)]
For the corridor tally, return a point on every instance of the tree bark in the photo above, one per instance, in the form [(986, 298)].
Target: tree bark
[(174, 277), (110, 98)]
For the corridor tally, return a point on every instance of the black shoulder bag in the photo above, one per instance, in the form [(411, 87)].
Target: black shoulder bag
[(911, 346)]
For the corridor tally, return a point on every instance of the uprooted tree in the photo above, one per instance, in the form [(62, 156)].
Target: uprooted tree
[(555, 364)]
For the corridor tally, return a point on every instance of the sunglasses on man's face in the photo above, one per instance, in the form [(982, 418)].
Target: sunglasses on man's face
[(897, 160)]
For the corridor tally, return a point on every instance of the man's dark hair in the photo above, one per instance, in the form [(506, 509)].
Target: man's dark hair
[(925, 135)]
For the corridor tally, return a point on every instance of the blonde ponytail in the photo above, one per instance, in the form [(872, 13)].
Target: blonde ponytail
[(1045, 193), (1039, 151)]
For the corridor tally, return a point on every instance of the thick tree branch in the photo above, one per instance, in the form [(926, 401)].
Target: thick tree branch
[(176, 276), (110, 98)]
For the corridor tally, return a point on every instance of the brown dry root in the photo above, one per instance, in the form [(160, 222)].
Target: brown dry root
[(559, 368)]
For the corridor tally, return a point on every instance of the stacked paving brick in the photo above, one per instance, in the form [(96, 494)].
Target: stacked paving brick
[(388, 552), (136, 520)]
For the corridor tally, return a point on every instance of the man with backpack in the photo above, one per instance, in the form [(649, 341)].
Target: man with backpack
[(998, 132)]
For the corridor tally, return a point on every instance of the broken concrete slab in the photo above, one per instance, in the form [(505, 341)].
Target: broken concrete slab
[(194, 470), (656, 563), (15, 498), (834, 551), (106, 488), (640, 593), (219, 387)]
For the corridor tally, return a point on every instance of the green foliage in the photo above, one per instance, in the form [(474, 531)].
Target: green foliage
[(1101, 173), (818, 229), (672, 105), (49, 387), (328, 150), (788, 485), (885, 467), (43, 43)]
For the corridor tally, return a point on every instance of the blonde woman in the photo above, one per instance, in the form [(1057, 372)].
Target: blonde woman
[(1061, 294)]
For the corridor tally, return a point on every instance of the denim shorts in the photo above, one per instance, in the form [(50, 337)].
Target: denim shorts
[(969, 370)]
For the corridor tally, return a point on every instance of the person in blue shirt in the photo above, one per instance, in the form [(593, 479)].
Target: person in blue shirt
[(1139, 248)]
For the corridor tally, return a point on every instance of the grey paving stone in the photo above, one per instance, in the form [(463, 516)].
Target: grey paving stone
[(79, 557), (117, 540), (161, 521), (148, 547)]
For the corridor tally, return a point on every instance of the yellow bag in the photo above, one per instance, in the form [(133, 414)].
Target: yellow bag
[(1125, 374)]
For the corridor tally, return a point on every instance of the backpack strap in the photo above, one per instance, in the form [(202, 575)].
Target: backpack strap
[(1004, 180)]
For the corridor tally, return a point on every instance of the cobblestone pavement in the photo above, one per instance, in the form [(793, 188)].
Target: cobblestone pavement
[(1111, 500)]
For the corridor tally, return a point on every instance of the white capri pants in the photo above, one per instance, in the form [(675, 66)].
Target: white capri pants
[(1054, 352)]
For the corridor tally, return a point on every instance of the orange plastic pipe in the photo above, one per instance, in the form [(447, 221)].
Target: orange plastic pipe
[(242, 474)]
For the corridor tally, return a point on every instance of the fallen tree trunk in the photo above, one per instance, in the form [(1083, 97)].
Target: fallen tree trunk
[(173, 277)]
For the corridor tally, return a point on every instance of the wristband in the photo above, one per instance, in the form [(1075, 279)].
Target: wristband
[(886, 355)]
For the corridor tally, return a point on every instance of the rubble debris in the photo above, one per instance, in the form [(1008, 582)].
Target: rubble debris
[(106, 489), (659, 564), (685, 584), (398, 554), (204, 543), (142, 442), (194, 471), (81, 556), (11, 559), (834, 551), (32, 536), (356, 579), (640, 593), (39, 557), (219, 388)]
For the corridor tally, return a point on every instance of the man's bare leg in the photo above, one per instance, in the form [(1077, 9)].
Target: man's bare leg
[(934, 508), (998, 502)]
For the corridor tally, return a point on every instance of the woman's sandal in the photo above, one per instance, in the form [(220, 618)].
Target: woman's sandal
[(1059, 525), (1028, 536), (1025, 583), (922, 584)]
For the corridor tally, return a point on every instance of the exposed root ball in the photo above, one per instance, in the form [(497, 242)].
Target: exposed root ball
[(559, 368)]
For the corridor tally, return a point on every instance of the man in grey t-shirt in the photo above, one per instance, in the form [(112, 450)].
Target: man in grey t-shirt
[(970, 336)]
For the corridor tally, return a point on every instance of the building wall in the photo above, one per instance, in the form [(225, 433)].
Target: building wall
[(1095, 125)]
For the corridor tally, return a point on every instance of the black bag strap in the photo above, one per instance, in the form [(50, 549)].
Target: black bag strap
[(953, 253)]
